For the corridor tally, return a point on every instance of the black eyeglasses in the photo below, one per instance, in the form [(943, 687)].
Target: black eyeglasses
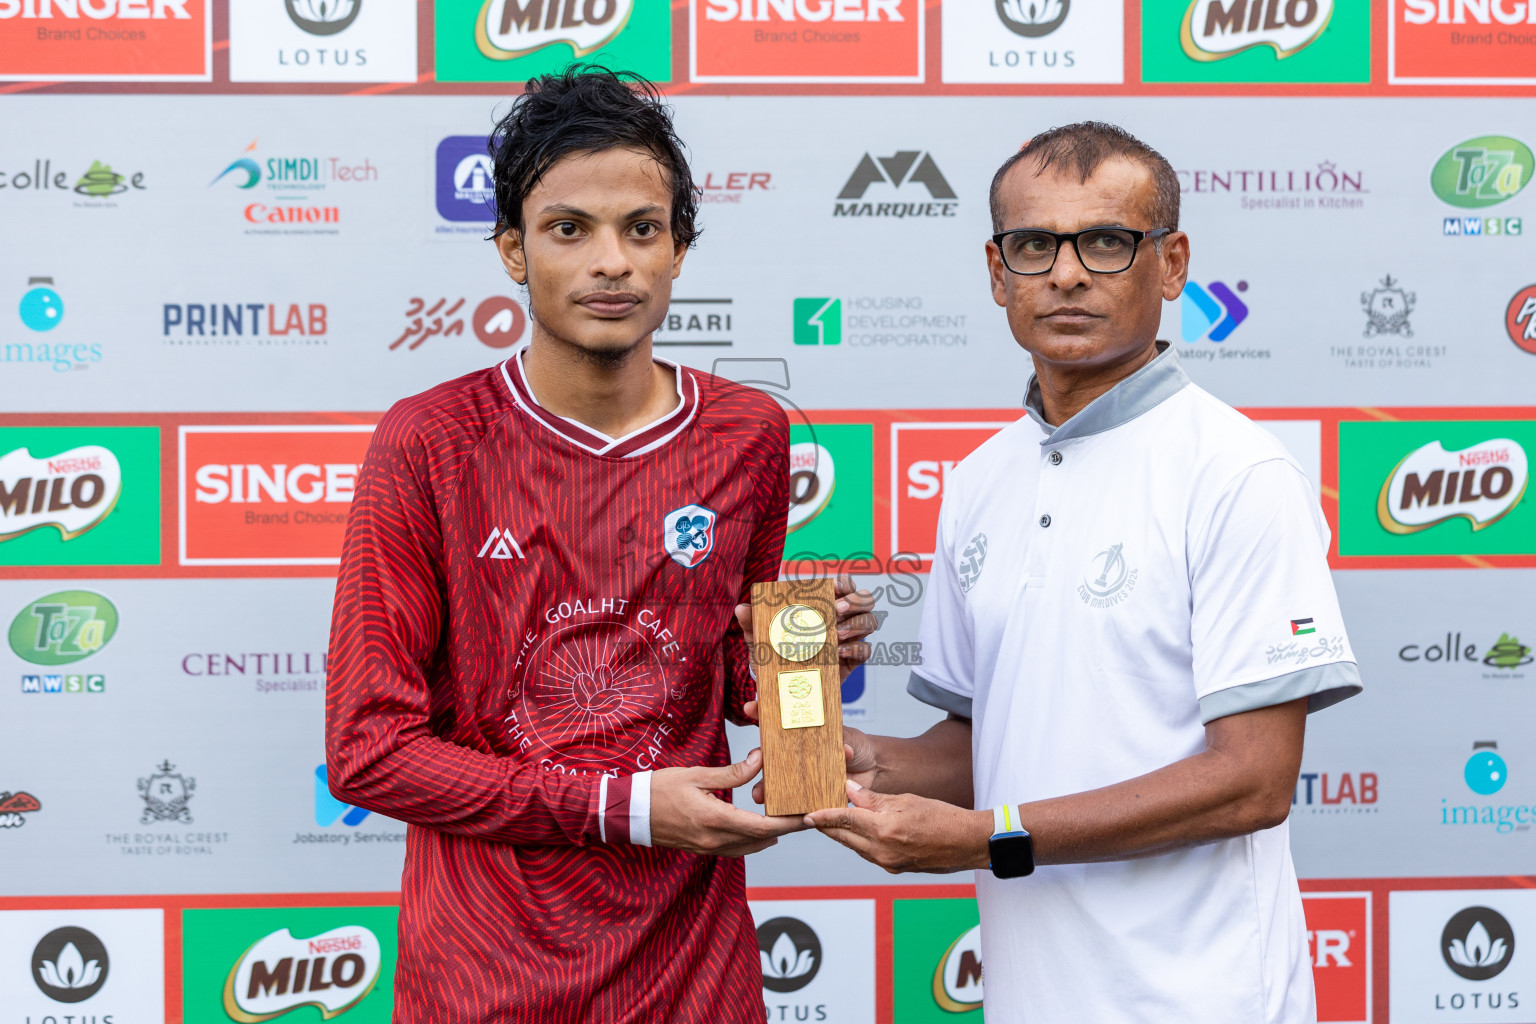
[(1106, 250)]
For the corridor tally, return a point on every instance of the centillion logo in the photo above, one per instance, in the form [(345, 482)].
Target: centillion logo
[(505, 29), (1214, 30)]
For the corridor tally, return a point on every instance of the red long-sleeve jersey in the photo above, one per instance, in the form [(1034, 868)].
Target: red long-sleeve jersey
[(528, 614)]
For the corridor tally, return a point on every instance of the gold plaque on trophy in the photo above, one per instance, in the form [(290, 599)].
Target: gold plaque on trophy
[(799, 695)]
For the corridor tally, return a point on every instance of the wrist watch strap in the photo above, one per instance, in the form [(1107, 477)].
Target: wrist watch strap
[(1005, 819)]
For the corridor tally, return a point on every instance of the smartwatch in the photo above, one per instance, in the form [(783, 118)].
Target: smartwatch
[(1011, 848)]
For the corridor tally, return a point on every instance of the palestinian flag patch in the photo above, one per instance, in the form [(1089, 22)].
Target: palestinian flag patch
[(1300, 627)]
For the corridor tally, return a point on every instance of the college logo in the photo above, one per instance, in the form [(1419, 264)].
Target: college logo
[(1432, 42), (1386, 309), (165, 794), (63, 628), (1217, 29), (70, 965), (332, 971), (1481, 484), (690, 535), (899, 171), (1506, 653), (1477, 943), (807, 40), (71, 491), (957, 978), (972, 558), (14, 805), (1213, 312), (1110, 579), (99, 182), (1484, 171), (105, 40), (328, 810), (790, 952), (262, 495), (513, 40), (1520, 319), (41, 307)]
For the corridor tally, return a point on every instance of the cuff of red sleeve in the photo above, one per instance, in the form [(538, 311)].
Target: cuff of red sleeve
[(624, 809)]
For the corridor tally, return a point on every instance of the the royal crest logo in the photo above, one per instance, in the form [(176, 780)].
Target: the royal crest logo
[(332, 972), (1217, 29), (505, 29), (972, 558), (690, 535), (165, 795), (1386, 309), (72, 491), (1482, 484), (1110, 579)]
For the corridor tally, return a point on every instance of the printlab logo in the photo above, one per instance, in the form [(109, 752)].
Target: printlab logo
[(333, 972), (1110, 579), (900, 171), (328, 809), (197, 324), (972, 558), (499, 322), (1481, 484), (1337, 792), (14, 805), (957, 978), (70, 965), (165, 794), (790, 952), (1212, 312), (1217, 29), (1477, 943), (323, 17), (818, 321), (1386, 309), (71, 492), (690, 535), (41, 307), (1520, 319), (1033, 18)]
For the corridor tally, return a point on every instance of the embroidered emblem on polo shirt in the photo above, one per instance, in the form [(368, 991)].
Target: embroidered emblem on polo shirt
[(971, 560), (690, 535), (1109, 580)]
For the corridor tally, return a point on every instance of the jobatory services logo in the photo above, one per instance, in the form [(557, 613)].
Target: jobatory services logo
[(1211, 312), (1520, 319), (267, 495), (244, 324), (1035, 41), (514, 40), (79, 495), (923, 456), (831, 491), (807, 40), (1255, 41), (105, 40), (903, 172), (790, 952), (70, 965), (322, 41), (1431, 42), (497, 322), (1421, 487), (329, 810)]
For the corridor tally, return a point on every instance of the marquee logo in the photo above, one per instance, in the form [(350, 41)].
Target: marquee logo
[(505, 29), (1484, 171), (899, 170), (332, 971), (957, 978), (71, 492), (63, 628), (1217, 29), (1481, 484)]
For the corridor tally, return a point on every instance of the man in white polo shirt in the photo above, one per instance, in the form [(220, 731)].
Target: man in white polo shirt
[(1129, 617)]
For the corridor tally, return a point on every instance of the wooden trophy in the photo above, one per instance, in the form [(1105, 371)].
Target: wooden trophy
[(799, 695)]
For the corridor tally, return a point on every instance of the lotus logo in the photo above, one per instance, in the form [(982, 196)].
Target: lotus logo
[(1033, 18), (333, 972), (812, 478), (63, 628), (72, 491), (1217, 29), (790, 952), (1477, 943), (505, 29), (957, 979), (1483, 171), (1481, 484), (69, 965), (323, 17)]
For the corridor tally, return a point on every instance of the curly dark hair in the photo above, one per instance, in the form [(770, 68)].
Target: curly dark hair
[(587, 108)]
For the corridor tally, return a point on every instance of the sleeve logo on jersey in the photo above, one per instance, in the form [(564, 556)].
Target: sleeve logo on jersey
[(690, 535)]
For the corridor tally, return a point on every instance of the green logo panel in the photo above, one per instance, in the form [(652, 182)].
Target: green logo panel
[(1339, 52), (818, 321), (833, 515), (63, 628), (1483, 171), (1456, 487), (515, 40), (927, 935), (216, 943), (123, 527)]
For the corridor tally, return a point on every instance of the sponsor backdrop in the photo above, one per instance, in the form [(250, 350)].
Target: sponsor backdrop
[(236, 231)]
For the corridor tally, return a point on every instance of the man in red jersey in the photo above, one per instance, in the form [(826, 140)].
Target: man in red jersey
[(535, 643)]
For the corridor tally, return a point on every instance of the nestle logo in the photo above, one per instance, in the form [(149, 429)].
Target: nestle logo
[(335, 945), (1476, 458), (73, 465)]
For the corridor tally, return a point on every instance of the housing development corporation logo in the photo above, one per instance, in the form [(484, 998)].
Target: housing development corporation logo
[(818, 321), (1520, 319), (70, 965), (1481, 484), (332, 971), (908, 171), (791, 954), (1217, 29), (1478, 943)]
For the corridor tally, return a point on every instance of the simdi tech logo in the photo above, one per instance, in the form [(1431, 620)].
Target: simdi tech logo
[(322, 41), (79, 496), (1044, 41), (105, 40), (1421, 487), (1456, 42), (514, 40), (295, 196), (1255, 41), (807, 40)]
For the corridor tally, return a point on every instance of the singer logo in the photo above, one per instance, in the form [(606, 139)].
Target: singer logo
[(267, 495), (1460, 42), (807, 40), (1338, 939), (923, 456), (95, 40), (333, 972), (1481, 484), (71, 491)]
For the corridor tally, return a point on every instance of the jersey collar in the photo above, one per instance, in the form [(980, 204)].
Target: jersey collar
[(637, 442), (1149, 386)]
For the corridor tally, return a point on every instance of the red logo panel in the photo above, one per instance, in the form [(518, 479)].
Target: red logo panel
[(922, 456), (1338, 939), (807, 41)]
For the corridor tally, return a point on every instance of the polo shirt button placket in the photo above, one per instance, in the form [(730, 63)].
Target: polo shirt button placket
[(1055, 458), (1045, 520)]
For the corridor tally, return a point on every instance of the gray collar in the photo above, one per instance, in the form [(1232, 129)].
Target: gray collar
[(1149, 386)]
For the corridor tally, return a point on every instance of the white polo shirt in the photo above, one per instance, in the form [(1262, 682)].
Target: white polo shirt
[(1100, 590)]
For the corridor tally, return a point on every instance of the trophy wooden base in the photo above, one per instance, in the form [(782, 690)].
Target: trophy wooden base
[(799, 695)]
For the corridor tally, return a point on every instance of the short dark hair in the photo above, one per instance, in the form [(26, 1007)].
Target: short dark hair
[(586, 109), (1082, 147)]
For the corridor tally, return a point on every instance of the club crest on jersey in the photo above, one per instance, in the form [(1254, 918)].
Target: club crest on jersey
[(690, 535), (500, 544)]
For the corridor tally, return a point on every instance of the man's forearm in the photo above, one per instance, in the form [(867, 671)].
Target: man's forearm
[(936, 764)]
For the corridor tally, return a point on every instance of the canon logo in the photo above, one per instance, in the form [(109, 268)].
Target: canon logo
[(803, 10), (254, 483)]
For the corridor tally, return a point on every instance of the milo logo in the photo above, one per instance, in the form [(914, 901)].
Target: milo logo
[(332, 972), (1216, 29), (1481, 484), (1483, 171), (63, 628), (957, 979), (72, 491), (505, 29)]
